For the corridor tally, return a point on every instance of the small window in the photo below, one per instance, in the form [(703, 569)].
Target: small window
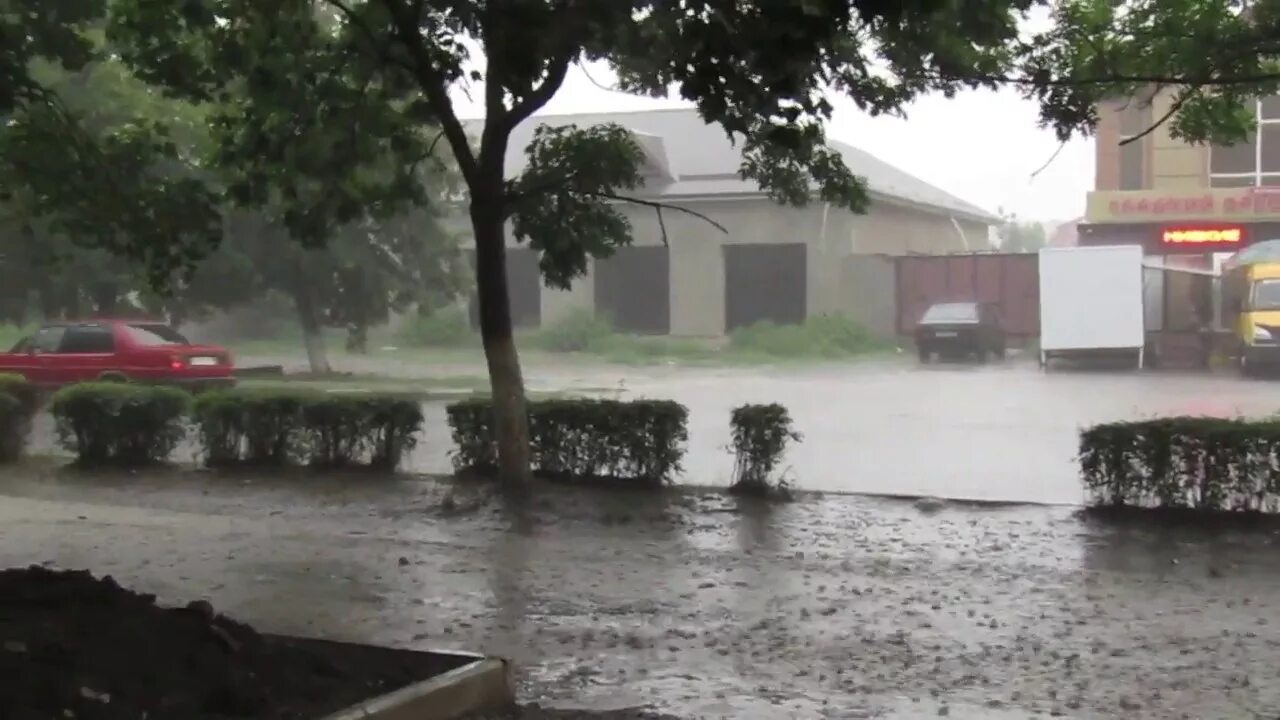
[(951, 312), (152, 334), (47, 339), (1234, 159), (84, 339), (1266, 295)]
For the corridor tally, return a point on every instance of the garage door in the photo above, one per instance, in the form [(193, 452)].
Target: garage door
[(633, 289), (524, 283), (764, 282)]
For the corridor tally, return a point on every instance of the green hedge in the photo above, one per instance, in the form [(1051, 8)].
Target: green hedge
[(19, 400), (281, 426), (639, 441), (1183, 463), (760, 436), (120, 423)]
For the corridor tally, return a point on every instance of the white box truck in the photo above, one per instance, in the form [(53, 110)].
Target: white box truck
[(1091, 302)]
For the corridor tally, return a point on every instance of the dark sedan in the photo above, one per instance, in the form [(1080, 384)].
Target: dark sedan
[(960, 330)]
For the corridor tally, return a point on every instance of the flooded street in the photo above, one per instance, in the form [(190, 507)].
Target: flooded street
[(835, 606), (1005, 432), (687, 602)]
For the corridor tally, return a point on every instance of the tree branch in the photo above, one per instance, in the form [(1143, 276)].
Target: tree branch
[(1173, 110), (431, 82), (659, 206)]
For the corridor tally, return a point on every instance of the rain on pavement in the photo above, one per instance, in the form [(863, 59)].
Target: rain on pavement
[(840, 606)]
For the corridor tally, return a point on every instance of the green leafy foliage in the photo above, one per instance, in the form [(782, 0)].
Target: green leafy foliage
[(18, 403), (445, 327), (761, 434), (120, 423), (279, 427), (253, 427), (823, 336), (581, 330), (1212, 57), (1185, 463), (640, 441)]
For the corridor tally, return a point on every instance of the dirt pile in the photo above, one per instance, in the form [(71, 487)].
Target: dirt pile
[(75, 646)]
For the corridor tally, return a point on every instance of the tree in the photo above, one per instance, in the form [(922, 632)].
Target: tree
[(759, 69), (83, 151), (1213, 58), (1020, 236)]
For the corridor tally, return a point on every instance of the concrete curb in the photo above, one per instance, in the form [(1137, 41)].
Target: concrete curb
[(483, 686)]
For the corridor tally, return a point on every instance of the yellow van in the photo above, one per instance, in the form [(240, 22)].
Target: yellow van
[(1251, 296)]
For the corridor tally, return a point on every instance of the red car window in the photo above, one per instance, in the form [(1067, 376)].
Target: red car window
[(87, 339), (152, 334)]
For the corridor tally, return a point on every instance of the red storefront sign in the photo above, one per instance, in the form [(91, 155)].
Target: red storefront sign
[(1246, 201), (1212, 239)]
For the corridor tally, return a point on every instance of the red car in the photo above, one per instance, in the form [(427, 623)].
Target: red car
[(61, 353)]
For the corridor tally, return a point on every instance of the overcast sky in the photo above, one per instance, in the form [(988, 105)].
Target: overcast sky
[(980, 146)]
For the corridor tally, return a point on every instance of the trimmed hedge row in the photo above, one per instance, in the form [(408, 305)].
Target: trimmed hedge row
[(760, 436), (128, 424), (639, 441), (19, 401), (1183, 463), (282, 427)]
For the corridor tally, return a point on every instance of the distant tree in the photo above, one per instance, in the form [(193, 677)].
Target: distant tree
[(1020, 236)]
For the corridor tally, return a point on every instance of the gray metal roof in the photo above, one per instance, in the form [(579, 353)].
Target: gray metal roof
[(704, 161)]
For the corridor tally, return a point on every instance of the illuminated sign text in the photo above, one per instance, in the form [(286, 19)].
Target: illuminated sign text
[(1202, 236)]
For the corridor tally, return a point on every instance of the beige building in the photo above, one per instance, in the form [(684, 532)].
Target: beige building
[(1184, 203), (774, 262)]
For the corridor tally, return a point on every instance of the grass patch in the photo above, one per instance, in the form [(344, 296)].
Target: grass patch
[(447, 337), (420, 389)]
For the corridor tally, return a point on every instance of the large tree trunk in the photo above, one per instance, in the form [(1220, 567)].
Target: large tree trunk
[(511, 418), (312, 331)]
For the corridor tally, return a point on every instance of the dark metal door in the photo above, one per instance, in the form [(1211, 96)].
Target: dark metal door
[(633, 289), (1010, 281), (524, 283), (765, 283)]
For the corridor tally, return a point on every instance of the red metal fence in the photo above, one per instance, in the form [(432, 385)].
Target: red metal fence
[(1010, 281)]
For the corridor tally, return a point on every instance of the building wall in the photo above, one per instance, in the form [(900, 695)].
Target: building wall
[(831, 235), (1167, 163)]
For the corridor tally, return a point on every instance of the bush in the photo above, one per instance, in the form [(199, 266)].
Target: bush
[(638, 441), (120, 423), (19, 400), (447, 327), (278, 427), (579, 331), (1183, 463), (826, 336), (761, 434), (251, 427)]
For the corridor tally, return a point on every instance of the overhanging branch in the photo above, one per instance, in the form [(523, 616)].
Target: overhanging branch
[(659, 207), (1173, 110)]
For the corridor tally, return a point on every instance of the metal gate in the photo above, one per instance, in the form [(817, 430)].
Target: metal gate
[(633, 289), (765, 282), (1010, 281)]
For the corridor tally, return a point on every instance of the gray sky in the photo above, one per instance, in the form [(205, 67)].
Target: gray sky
[(981, 146)]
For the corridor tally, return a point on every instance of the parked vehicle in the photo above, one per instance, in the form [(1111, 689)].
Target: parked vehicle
[(1091, 304), (62, 353), (960, 330), (1251, 297)]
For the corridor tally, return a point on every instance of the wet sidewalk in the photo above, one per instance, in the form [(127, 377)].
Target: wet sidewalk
[(836, 606)]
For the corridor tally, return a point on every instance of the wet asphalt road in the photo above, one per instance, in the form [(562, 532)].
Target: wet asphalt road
[(836, 606)]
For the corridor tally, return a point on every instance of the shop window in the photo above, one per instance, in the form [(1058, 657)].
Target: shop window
[(1238, 159), (1269, 108), (1249, 162)]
